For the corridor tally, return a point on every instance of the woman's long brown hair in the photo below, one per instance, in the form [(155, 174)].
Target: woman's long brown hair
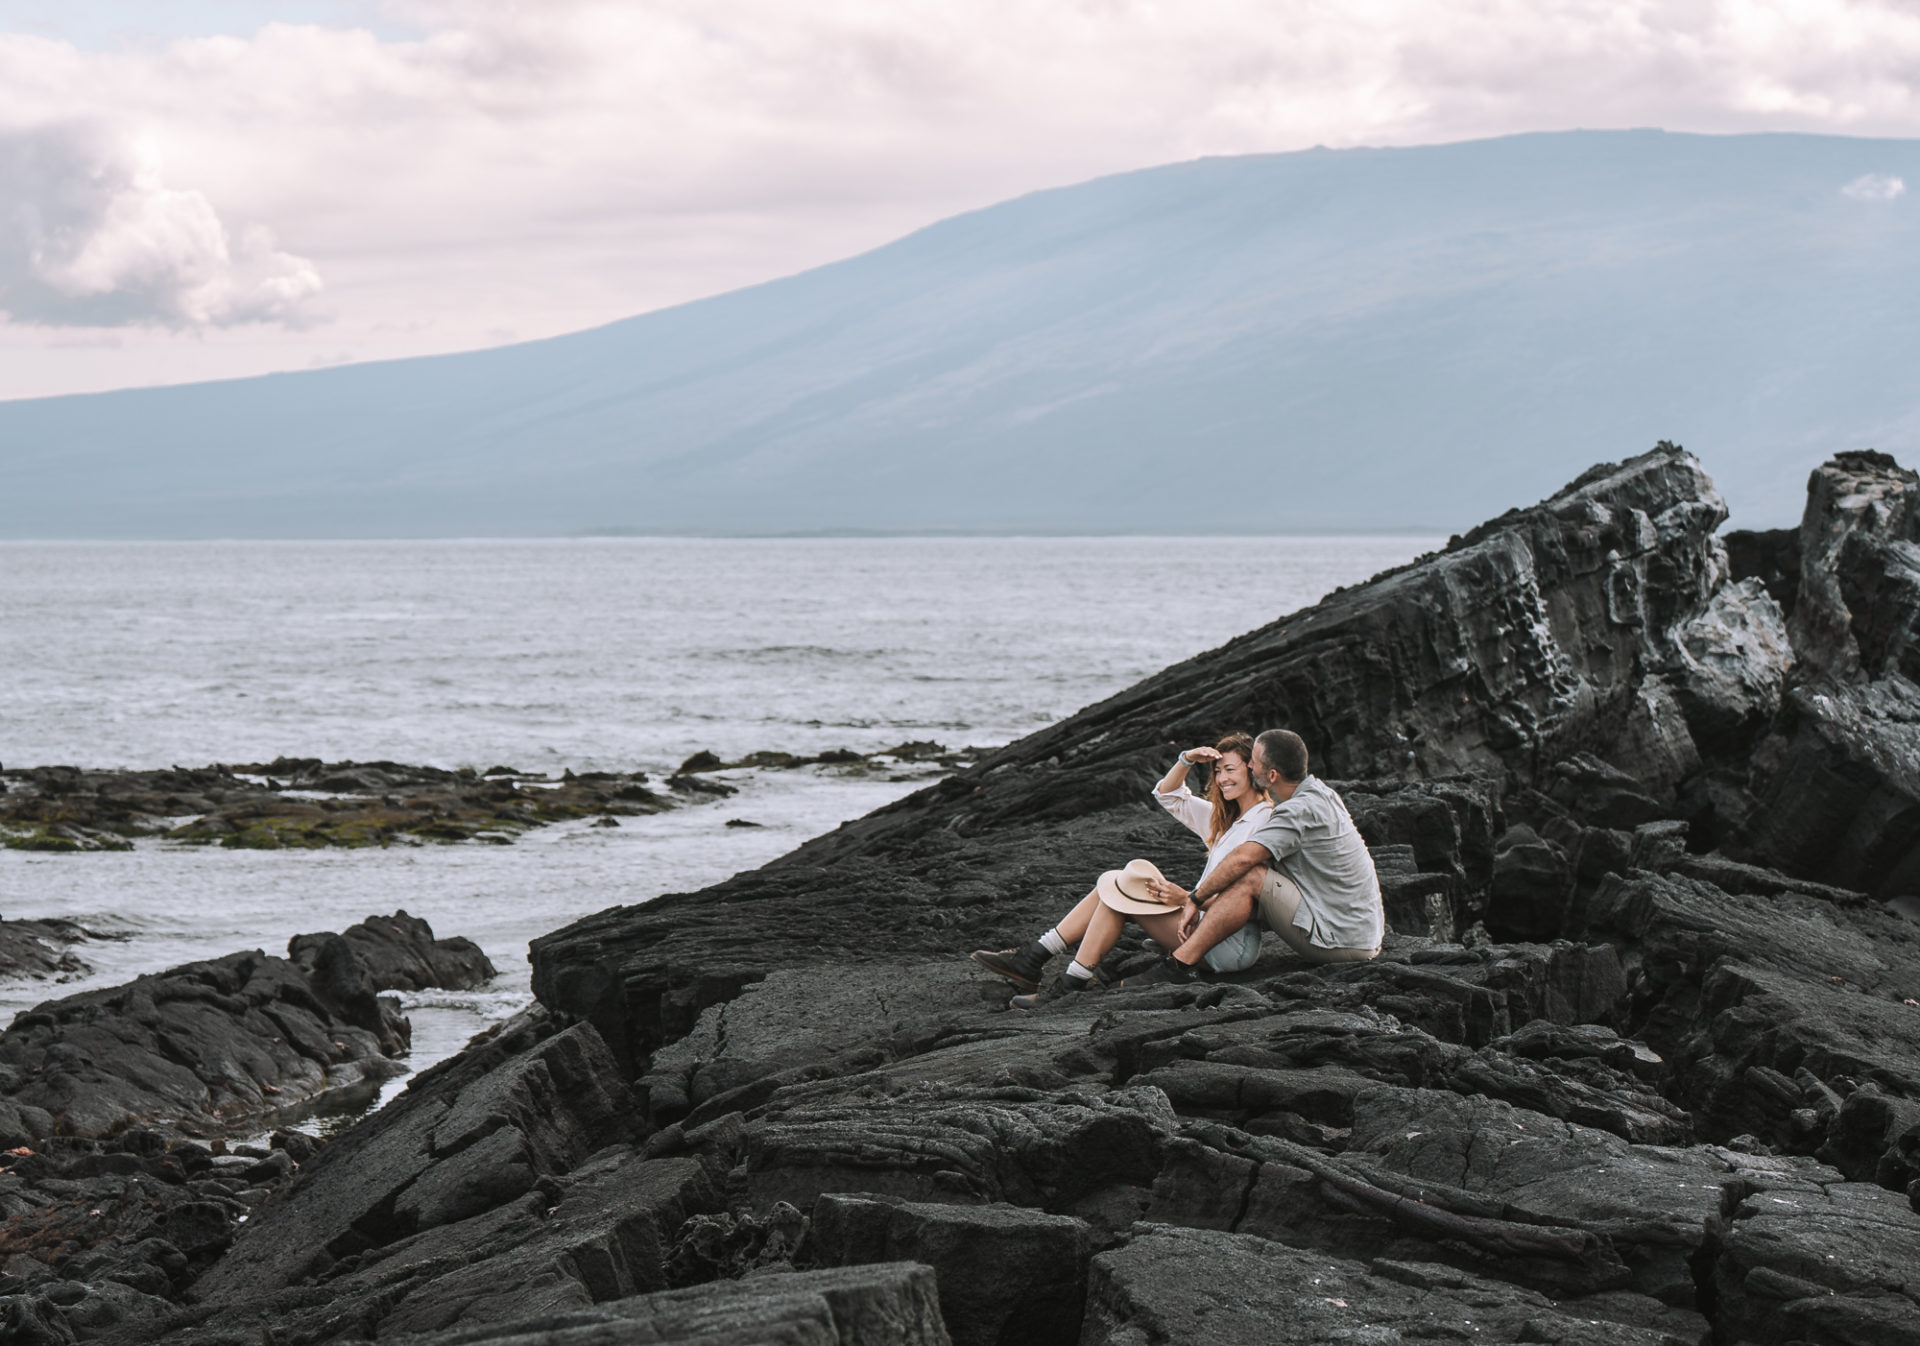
[(1224, 813)]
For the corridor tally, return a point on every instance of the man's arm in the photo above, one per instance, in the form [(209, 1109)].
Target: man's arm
[(1231, 869)]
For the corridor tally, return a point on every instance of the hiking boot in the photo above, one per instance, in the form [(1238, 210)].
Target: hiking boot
[(1022, 967), (1169, 971), (1063, 987)]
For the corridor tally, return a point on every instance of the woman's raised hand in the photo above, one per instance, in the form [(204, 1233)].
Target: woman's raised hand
[(1166, 892), (1199, 755)]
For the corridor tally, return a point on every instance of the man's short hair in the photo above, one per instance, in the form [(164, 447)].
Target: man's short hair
[(1283, 751)]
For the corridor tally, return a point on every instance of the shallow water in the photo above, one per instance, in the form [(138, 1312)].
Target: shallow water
[(173, 904), (620, 654)]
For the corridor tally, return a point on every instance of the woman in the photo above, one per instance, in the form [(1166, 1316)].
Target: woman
[(1233, 808)]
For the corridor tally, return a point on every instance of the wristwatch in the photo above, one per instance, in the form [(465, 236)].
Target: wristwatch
[(1186, 760)]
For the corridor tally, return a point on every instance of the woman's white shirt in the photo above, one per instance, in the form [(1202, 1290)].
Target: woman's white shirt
[(1197, 814)]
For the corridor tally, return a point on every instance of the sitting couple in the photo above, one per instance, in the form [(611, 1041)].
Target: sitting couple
[(1282, 853)]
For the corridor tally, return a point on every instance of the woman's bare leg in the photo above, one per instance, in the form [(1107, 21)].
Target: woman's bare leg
[(1104, 927), (1073, 926), (1165, 930)]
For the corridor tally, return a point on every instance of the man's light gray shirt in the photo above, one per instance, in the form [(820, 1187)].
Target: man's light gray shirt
[(1313, 840)]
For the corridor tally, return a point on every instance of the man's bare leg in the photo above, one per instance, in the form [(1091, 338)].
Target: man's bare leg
[(1225, 915), (1227, 912)]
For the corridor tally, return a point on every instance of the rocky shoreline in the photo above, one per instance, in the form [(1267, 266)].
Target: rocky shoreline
[(118, 1185), (1640, 1062), (300, 802), (226, 1045), (304, 802)]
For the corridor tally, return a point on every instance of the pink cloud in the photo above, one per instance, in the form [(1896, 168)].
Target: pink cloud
[(547, 167)]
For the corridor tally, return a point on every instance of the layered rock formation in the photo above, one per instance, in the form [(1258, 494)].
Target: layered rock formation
[(1596, 632), (1640, 1062), (1835, 786)]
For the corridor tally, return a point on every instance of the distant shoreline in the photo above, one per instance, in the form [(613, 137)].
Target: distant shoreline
[(832, 534), (818, 535)]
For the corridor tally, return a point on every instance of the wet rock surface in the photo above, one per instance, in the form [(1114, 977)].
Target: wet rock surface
[(307, 803), (1637, 1063), (212, 1045), (302, 802), (42, 949), (227, 1044)]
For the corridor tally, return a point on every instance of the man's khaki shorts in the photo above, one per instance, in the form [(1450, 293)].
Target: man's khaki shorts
[(1279, 902)]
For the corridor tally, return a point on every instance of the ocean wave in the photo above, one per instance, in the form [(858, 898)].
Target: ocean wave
[(488, 1003), (778, 654)]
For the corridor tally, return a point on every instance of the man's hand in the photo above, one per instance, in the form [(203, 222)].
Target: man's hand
[(1190, 922), (1233, 866), (1166, 892)]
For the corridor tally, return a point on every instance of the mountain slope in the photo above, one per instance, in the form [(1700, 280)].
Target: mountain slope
[(1318, 341)]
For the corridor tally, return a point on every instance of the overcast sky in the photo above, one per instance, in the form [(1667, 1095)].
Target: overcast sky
[(205, 188)]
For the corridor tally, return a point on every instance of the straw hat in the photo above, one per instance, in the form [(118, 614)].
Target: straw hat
[(1126, 889)]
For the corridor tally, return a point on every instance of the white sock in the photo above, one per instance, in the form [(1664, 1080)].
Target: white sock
[(1077, 972), (1052, 942)]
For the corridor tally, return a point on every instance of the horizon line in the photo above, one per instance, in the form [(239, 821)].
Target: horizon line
[(807, 535)]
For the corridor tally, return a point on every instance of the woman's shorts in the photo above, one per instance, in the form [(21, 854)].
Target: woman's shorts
[(1238, 951)]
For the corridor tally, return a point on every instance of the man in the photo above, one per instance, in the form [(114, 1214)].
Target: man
[(1305, 874)]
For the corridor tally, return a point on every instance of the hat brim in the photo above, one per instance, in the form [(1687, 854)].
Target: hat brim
[(1107, 887)]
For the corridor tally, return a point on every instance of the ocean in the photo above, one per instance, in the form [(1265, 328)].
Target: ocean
[(590, 654)]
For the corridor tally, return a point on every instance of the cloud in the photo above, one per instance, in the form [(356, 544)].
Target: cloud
[(1875, 187), (481, 165), (91, 236)]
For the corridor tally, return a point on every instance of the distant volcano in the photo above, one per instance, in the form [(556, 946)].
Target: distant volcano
[(1324, 341)]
